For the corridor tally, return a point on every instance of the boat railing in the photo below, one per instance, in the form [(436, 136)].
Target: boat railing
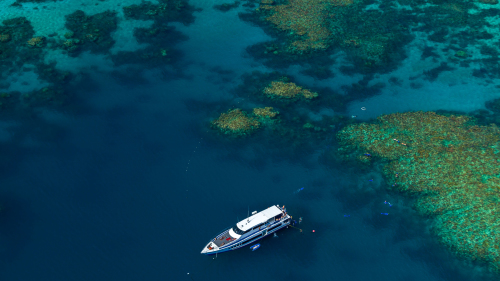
[(259, 232), (220, 234), (250, 237)]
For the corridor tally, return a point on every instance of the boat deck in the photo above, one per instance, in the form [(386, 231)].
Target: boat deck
[(223, 239)]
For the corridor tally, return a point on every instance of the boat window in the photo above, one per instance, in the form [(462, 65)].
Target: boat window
[(238, 231), (257, 227)]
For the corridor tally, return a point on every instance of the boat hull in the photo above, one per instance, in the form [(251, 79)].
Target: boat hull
[(246, 241)]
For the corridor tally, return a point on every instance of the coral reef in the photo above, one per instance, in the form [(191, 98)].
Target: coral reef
[(227, 6), (266, 112), (13, 103), (460, 54), (19, 2), (48, 96), (491, 2), (372, 36), (36, 41), (161, 40), (161, 37), (493, 105), (304, 20), (255, 83), (4, 38), (89, 33), (164, 11), (308, 31), (15, 39), (450, 164), (266, 116), (70, 44), (287, 91), (18, 48), (236, 122)]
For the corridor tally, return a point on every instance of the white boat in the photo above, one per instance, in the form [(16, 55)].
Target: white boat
[(249, 230)]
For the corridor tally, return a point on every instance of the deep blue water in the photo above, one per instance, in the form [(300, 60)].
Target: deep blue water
[(109, 198), (132, 184)]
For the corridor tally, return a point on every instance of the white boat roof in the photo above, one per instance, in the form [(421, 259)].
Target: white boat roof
[(259, 218)]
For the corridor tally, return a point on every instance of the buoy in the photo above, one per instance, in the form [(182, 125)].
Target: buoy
[(314, 230)]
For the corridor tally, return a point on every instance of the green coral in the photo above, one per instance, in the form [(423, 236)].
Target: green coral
[(461, 54), (450, 164)]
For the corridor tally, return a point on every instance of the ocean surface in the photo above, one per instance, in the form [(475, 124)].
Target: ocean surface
[(129, 182)]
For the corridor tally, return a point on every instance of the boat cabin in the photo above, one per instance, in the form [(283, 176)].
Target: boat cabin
[(257, 221)]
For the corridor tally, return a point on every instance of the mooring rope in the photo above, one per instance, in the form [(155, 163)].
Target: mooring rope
[(295, 227)]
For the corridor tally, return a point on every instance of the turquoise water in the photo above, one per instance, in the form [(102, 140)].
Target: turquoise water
[(127, 181)]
